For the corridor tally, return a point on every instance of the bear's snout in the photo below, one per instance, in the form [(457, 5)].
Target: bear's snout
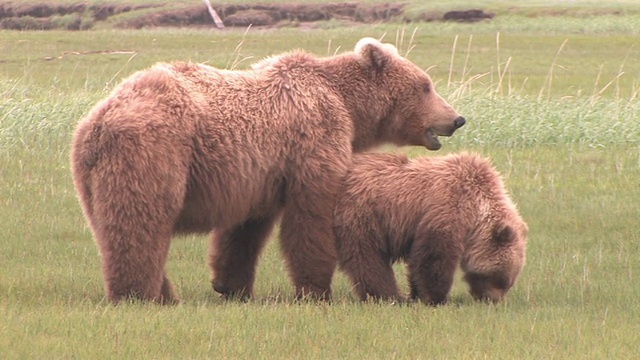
[(458, 122), (220, 288), (447, 129)]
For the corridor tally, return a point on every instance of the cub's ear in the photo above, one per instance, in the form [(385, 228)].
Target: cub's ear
[(503, 234), (375, 53)]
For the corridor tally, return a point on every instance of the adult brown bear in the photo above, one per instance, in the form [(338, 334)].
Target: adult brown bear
[(187, 148), (435, 213)]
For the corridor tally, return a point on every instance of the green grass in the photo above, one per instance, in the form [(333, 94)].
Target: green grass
[(577, 292), (578, 65), (561, 122)]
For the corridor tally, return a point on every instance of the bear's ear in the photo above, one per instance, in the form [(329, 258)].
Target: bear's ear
[(503, 234), (375, 53)]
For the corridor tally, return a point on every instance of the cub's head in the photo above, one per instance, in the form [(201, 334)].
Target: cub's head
[(408, 109), (493, 266)]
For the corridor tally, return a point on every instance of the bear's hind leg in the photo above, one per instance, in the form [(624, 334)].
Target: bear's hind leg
[(134, 261), (137, 195), (234, 256)]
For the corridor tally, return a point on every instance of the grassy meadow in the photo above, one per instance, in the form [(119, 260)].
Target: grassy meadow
[(554, 101)]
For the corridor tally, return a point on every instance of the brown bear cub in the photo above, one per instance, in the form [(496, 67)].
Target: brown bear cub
[(435, 213), (188, 148)]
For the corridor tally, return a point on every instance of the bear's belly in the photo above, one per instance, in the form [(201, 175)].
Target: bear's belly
[(223, 202)]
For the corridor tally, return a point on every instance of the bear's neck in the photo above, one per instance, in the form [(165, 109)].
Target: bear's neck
[(358, 90)]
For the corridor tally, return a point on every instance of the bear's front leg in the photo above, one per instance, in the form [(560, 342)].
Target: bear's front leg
[(308, 246), (307, 238), (374, 280), (234, 256), (360, 244), (167, 295), (432, 263)]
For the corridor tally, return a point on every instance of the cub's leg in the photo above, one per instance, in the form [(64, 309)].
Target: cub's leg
[(432, 263), (363, 257), (373, 279)]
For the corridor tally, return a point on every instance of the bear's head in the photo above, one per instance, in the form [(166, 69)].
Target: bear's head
[(402, 99), (492, 267)]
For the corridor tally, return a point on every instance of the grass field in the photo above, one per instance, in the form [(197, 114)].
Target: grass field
[(553, 101)]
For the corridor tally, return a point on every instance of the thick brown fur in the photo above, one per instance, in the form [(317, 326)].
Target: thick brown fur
[(435, 213), (187, 148)]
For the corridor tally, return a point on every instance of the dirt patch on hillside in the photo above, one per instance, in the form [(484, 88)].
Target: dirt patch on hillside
[(48, 15), (271, 15)]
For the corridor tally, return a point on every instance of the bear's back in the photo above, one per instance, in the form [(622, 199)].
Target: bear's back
[(470, 185)]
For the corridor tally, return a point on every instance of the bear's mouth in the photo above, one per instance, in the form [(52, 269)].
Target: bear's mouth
[(431, 141)]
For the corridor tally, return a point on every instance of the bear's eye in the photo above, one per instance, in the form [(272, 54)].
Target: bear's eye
[(426, 88)]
